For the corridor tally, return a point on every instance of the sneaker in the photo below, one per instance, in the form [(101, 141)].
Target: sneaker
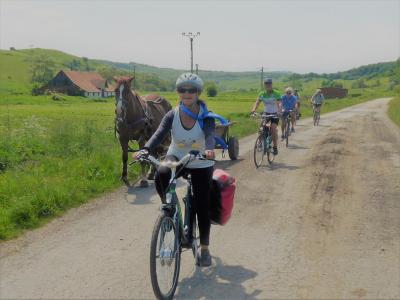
[(292, 129), (204, 258), (275, 150)]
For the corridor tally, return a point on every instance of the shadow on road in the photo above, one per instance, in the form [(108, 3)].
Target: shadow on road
[(295, 146), (226, 164), (137, 195), (279, 165), (217, 282)]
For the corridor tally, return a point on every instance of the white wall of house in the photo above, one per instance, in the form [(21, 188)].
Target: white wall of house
[(98, 94)]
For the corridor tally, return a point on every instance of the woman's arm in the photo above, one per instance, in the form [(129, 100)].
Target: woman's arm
[(161, 132)]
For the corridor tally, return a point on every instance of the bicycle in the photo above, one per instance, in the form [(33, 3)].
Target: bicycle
[(170, 232), (316, 114), (263, 143), (286, 119)]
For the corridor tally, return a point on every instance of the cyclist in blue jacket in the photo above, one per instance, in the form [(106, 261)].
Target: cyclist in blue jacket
[(287, 104)]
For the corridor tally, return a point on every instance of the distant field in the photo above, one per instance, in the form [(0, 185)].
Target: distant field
[(394, 110)]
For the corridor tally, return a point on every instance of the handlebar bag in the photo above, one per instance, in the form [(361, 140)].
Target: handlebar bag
[(221, 197)]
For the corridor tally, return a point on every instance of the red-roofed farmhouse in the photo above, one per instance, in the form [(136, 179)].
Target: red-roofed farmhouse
[(77, 83)]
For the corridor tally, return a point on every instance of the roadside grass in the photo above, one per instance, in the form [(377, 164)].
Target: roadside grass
[(55, 155), (394, 110)]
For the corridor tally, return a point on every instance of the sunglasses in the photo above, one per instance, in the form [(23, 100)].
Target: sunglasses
[(189, 90)]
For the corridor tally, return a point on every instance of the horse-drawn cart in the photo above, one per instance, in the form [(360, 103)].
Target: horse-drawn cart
[(226, 142)]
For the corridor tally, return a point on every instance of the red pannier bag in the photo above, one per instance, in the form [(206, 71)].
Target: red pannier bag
[(221, 197)]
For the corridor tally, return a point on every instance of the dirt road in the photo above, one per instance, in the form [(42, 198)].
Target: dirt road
[(323, 222)]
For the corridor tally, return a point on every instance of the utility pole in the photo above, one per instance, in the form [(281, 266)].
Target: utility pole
[(262, 77), (191, 36), (197, 69), (134, 76)]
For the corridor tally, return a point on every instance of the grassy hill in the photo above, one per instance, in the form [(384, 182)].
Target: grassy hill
[(16, 69)]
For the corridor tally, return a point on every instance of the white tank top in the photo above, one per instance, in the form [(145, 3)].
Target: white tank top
[(183, 141)]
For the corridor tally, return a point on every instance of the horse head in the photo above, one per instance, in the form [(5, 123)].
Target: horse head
[(123, 97)]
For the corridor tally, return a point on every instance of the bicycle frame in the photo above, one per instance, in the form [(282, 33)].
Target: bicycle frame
[(172, 205), (266, 124), (264, 133)]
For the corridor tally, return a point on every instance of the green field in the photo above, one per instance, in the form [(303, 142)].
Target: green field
[(394, 110), (58, 154)]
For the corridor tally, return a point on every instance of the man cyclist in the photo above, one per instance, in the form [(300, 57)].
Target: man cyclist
[(270, 97), (296, 93), (288, 102), (317, 99)]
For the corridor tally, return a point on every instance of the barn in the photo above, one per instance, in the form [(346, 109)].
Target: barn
[(77, 83), (332, 92)]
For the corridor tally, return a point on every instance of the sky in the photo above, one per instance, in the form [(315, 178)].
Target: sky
[(300, 36)]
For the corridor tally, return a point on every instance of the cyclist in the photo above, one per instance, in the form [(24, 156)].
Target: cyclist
[(296, 93), (270, 97), (317, 99), (189, 132), (288, 102)]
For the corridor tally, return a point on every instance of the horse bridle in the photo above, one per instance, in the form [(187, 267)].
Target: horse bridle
[(121, 114)]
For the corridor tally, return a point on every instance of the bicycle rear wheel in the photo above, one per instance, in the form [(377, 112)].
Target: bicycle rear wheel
[(259, 150), (165, 257)]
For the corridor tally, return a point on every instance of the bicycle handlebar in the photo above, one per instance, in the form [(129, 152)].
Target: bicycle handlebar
[(256, 114), (171, 164)]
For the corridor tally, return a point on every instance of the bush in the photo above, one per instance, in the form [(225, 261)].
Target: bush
[(211, 89)]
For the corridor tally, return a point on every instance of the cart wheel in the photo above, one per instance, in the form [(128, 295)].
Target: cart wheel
[(233, 148)]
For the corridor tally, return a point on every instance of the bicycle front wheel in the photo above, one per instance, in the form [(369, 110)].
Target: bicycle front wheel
[(259, 151), (287, 131), (270, 155), (165, 257)]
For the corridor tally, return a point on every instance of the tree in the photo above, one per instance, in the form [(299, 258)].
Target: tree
[(337, 84), (42, 69), (75, 65), (359, 84), (86, 63), (331, 83), (108, 72), (211, 89)]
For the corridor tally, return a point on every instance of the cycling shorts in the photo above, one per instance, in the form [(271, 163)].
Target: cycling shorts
[(274, 120)]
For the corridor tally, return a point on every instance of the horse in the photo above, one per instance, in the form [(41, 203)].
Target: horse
[(137, 118)]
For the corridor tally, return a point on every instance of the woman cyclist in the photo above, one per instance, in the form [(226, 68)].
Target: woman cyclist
[(189, 132)]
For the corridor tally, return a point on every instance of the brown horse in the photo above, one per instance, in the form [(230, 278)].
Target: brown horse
[(137, 118)]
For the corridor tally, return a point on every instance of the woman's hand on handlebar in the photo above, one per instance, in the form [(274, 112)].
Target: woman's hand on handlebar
[(141, 153), (210, 154)]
